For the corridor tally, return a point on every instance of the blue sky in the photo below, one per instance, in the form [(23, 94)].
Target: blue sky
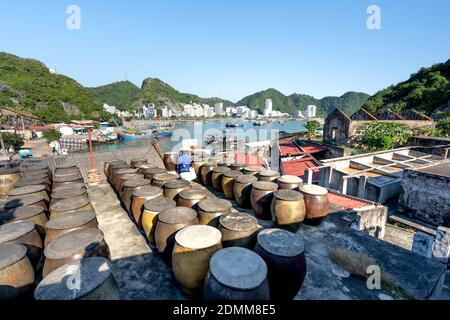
[(232, 48)]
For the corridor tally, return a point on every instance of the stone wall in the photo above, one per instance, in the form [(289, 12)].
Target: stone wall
[(426, 197)]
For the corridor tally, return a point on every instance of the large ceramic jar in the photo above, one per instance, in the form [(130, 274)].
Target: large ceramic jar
[(236, 274), (170, 161), (107, 166), (23, 232), (28, 191), (101, 285), (118, 174), (39, 181), (138, 161), (174, 187), (10, 174), (268, 175), (126, 177), (115, 166), (189, 198), (206, 172), (237, 166), (290, 182), (62, 172), (16, 272), (131, 186), (74, 246), (139, 198), (253, 170), (69, 222), (69, 205), (197, 164), (316, 203), (242, 189), (67, 180), (194, 247), (34, 214), (160, 179), (261, 198), (78, 185), (6, 185), (169, 223), (152, 208), (217, 176), (228, 181), (288, 209), (79, 194), (210, 210), (150, 173), (284, 254), (238, 230), (25, 201)]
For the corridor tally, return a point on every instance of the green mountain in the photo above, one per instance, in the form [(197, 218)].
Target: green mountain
[(425, 91), (121, 94), (349, 102), (26, 85)]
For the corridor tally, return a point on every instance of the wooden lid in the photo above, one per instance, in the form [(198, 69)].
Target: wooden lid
[(210, 164), (26, 190), (23, 201), (119, 166), (136, 183), (131, 176), (73, 243), (68, 193), (269, 173), (155, 171), (281, 242), (8, 171), (125, 171), (198, 237), (215, 205), (252, 169), (39, 167), (93, 272), (313, 190), (116, 162), (232, 174), (193, 194), (137, 160), (290, 179), (159, 204), (33, 182), (148, 192), (238, 268), (12, 231), (144, 166), (265, 185), (20, 213), (68, 178), (237, 166), (288, 195), (69, 204), (246, 179), (71, 220), (66, 166), (177, 184), (35, 175), (11, 253), (72, 185), (67, 171), (165, 177), (178, 215), (238, 221), (221, 169)]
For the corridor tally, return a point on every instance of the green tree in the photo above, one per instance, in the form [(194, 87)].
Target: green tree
[(311, 128), (52, 135), (14, 140), (376, 136), (443, 127)]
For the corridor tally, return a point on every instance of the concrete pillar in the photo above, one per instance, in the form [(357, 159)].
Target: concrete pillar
[(423, 244), (441, 250), (325, 176), (309, 175), (344, 186), (362, 187)]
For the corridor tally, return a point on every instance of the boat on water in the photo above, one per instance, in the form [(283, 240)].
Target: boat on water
[(234, 125), (143, 135)]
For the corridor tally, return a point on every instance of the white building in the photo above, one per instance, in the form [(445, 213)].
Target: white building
[(218, 109), (268, 108), (110, 109), (166, 112), (253, 114), (311, 111)]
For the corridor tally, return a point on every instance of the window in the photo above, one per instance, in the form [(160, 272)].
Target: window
[(333, 133)]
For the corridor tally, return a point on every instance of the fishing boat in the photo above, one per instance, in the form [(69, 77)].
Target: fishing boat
[(124, 136), (233, 125)]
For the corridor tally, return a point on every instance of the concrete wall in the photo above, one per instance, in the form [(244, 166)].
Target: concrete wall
[(426, 197), (338, 123), (372, 220)]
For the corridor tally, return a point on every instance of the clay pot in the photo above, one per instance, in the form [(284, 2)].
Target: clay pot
[(131, 186), (34, 214), (25, 201), (238, 230), (126, 177), (150, 173), (236, 274), (66, 180), (113, 165), (74, 246), (69, 205), (28, 191), (194, 247), (136, 162), (288, 209), (316, 203), (261, 198), (169, 222), (242, 189), (10, 174), (152, 208), (170, 161), (38, 181), (174, 187), (217, 175), (79, 194), (139, 198), (160, 179), (210, 210), (268, 175), (16, 272), (206, 173), (144, 167), (69, 222), (66, 172), (197, 164), (6, 185), (118, 174), (228, 181), (253, 170), (101, 284), (289, 182), (237, 166), (189, 198), (284, 254), (114, 169), (77, 185), (23, 232)]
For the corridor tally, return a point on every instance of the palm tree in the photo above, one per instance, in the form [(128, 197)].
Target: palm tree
[(311, 127)]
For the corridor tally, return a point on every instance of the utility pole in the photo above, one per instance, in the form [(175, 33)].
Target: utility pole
[(3, 144)]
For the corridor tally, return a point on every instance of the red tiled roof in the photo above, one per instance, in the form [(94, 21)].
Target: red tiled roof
[(347, 202), (297, 167), (82, 122), (289, 148), (37, 128)]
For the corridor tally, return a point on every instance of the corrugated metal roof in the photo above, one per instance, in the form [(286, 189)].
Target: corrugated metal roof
[(297, 167), (289, 148), (347, 202)]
